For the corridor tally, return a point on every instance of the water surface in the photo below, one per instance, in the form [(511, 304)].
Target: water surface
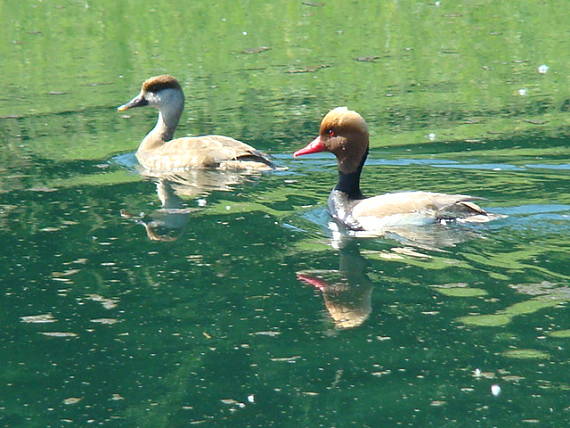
[(237, 305)]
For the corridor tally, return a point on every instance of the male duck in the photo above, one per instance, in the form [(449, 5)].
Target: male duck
[(345, 134)]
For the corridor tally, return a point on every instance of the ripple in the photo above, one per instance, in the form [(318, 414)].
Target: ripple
[(564, 166), (484, 166), (38, 319), (526, 354)]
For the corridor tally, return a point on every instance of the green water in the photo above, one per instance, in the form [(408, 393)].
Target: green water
[(231, 321)]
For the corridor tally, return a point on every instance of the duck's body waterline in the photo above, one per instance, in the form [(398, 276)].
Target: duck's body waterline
[(158, 152)]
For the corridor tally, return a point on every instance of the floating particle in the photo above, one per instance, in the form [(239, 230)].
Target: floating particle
[(108, 321), (495, 390), (38, 318), (232, 402), (107, 303), (256, 50), (370, 58), (266, 333), (287, 359), (543, 69), (59, 334), (68, 272)]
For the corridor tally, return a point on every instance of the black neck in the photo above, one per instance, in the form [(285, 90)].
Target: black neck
[(350, 183)]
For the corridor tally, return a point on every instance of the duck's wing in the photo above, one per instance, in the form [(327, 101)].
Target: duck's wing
[(209, 151), (424, 204)]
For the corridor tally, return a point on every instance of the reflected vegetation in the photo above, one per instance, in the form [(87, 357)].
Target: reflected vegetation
[(217, 324), (547, 295)]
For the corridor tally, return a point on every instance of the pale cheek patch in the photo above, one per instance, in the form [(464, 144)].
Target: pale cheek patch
[(152, 98)]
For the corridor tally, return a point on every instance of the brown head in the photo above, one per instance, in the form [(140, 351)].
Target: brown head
[(158, 83), (344, 133), (150, 90)]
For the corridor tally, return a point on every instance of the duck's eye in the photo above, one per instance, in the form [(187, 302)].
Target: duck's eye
[(330, 132)]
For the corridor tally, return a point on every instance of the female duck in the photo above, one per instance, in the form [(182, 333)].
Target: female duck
[(345, 134), (158, 152)]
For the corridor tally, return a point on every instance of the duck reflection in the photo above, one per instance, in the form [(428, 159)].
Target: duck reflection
[(170, 221), (431, 237), (347, 292)]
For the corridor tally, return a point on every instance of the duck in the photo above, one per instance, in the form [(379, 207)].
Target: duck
[(159, 152), (344, 133)]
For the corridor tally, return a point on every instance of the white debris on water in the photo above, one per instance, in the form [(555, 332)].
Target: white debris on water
[(44, 318), (495, 390), (543, 69), (232, 402)]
